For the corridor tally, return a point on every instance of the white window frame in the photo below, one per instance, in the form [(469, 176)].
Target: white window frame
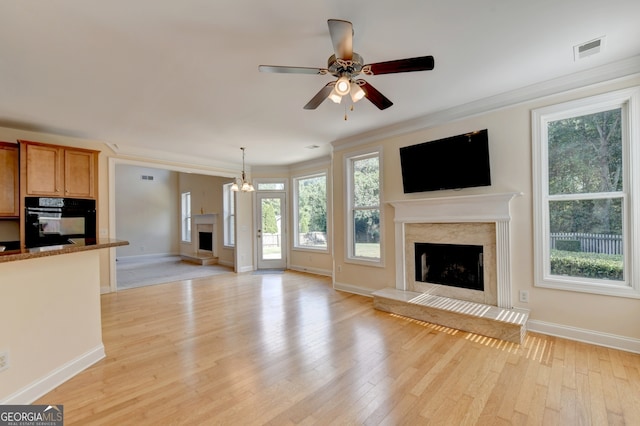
[(185, 213), (629, 101), (229, 211), (264, 184), (349, 207), (296, 211)]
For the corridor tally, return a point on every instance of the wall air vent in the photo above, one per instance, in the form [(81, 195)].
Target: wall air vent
[(146, 177), (588, 48)]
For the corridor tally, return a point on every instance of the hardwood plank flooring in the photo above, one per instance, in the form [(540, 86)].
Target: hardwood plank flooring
[(288, 349)]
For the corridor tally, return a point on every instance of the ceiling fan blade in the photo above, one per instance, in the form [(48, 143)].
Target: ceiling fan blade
[(376, 98), (342, 38), (422, 63), (320, 96), (291, 70)]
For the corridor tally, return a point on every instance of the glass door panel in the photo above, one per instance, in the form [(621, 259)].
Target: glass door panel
[(271, 237)]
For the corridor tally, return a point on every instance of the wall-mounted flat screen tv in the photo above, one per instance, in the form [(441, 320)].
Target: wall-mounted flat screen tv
[(451, 163)]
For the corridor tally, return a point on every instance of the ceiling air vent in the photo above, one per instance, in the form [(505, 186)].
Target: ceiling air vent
[(589, 48), (146, 177)]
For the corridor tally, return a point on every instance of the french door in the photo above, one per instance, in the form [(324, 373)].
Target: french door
[(271, 226)]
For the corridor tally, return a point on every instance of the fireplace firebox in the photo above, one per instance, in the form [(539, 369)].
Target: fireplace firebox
[(456, 265), (205, 241)]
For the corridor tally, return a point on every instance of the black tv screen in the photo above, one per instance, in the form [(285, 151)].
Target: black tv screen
[(451, 163)]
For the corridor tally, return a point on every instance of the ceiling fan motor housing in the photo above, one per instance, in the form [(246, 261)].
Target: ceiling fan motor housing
[(342, 67)]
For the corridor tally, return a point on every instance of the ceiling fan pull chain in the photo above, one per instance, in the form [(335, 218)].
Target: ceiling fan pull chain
[(345, 112)]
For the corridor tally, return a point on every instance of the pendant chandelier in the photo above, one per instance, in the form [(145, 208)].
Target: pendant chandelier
[(244, 185)]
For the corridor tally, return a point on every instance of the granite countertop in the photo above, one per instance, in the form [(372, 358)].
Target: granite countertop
[(78, 245)]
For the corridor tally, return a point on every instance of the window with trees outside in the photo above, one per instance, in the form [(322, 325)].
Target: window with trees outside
[(364, 234), (229, 212), (185, 208), (585, 194), (310, 214)]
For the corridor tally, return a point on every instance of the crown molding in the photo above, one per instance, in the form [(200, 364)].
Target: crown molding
[(189, 162)]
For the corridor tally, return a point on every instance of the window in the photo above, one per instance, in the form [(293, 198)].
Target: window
[(271, 186), (310, 214), (229, 212), (364, 233), (585, 202), (185, 210)]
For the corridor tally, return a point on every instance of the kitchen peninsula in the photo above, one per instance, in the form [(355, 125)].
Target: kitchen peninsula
[(50, 323)]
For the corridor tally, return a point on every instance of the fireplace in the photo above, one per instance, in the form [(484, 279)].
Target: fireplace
[(455, 265), (445, 239), (427, 226), (205, 241), (476, 220), (205, 226), (203, 251)]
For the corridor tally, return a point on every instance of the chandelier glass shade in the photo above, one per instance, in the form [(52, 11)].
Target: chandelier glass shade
[(243, 185)]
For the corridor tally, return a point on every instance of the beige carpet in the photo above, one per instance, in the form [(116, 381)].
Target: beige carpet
[(143, 272)]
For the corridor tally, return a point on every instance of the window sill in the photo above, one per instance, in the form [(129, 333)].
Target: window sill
[(595, 289), (364, 262), (323, 250)]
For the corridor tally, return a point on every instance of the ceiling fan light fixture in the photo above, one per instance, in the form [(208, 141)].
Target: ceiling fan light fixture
[(343, 85), (335, 97), (356, 92)]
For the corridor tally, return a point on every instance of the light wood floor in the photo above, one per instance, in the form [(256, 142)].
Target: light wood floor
[(288, 349)]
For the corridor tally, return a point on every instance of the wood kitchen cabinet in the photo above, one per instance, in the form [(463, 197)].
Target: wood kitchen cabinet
[(9, 204), (58, 171)]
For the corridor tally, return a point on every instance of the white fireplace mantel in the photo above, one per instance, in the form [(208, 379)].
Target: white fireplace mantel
[(205, 219), (468, 208)]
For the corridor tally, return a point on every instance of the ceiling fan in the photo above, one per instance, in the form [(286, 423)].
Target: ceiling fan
[(347, 65)]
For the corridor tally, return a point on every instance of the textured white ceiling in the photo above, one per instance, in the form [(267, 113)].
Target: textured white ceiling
[(180, 78)]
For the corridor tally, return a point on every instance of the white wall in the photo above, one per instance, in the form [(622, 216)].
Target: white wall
[(49, 322), (597, 318), (147, 211)]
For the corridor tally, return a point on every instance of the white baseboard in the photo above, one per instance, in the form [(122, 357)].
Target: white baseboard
[(586, 336), (317, 271), (245, 269), (225, 263), (564, 331), (139, 257), (55, 378), (349, 288)]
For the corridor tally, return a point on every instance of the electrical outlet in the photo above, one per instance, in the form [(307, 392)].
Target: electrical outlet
[(4, 360), (339, 268), (524, 296)]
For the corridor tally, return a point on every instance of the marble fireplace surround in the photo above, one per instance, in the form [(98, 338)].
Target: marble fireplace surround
[(472, 219)]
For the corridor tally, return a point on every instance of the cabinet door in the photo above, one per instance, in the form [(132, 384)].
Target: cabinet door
[(9, 206), (44, 170), (79, 173)]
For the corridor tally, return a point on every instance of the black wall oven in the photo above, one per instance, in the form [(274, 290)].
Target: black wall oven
[(55, 221)]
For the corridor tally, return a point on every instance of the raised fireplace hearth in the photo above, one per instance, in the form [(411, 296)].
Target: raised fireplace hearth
[(427, 229)]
